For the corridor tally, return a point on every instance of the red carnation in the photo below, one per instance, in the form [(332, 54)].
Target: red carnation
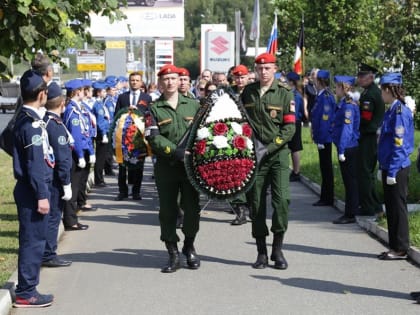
[(200, 147), (220, 129), (246, 130), (239, 143)]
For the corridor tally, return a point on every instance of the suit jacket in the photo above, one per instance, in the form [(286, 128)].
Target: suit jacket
[(123, 100)]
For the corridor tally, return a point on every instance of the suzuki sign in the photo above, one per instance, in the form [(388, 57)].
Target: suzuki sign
[(219, 51)]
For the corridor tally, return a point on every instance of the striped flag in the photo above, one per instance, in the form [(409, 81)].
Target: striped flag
[(255, 26), (298, 60), (272, 42)]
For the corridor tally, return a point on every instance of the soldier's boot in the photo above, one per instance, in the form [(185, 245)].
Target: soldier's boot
[(173, 262), (240, 211), (277, 254), (262, 258), (193, 262)]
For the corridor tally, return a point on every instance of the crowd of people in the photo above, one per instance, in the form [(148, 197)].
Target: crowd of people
[(59, 138)]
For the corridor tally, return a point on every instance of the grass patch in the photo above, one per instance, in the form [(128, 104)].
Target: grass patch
[(8, 220), (414, 227)]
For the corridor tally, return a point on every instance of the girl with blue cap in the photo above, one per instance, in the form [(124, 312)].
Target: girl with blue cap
[(396, 143)]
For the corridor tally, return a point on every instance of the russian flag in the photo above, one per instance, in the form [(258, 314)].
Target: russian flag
[(272, 42), (298, 60)]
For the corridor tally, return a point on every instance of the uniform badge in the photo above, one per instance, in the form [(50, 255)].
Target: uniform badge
[(75, 122), (273, 113), (398, 141), (366, 105), (399, 131), (292, 106), (347, 121), (347, 114), (324, 117), (62, 140), (278, 140), (327, 108), (36, 140), (167, 150)]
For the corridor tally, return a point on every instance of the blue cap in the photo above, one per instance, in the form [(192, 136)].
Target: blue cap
[(54, 90), (293, 76), (323, 74), (111, 83), (86, 82), (73, 85), (391, 78), (345, 79), (122, 79), (30, 81), (111, 78), (99, 85)]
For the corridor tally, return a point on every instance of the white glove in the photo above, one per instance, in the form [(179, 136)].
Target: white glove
[(341, 157), (82, 163), (92, 159), (379, 175), (105, 139), (320, 146), (391, 180), (67, 192)]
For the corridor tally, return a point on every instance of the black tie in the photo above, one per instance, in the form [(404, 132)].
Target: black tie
[(135, 99)]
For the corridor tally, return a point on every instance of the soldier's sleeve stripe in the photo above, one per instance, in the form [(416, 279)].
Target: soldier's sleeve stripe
[(165, 121), (366, 115), (249, 105), (188, 118), (289, 118), (279, 108)]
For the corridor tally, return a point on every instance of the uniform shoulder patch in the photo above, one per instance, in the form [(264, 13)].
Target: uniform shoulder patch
[(284, 85), (347, 113), (62, 140), (75, 122), (399, 131), (36, 140)]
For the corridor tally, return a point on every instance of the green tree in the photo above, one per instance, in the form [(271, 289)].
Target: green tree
[(27, 26)]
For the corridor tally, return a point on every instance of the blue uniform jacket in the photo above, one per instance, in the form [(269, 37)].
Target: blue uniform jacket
[(59, 140), (345, 132), (79, 126), (322, 117), (103, 117), (299, 108), (29, 160), (396, 141), (110, 104)]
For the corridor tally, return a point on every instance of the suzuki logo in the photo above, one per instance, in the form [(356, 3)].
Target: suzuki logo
[(219, 45)]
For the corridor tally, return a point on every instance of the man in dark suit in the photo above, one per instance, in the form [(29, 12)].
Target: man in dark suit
[(141, 101)]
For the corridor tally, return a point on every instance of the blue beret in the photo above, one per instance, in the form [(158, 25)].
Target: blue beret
[(293, 76), (73, 85), (391, 78), (111, 83), (323, 74), (345, 79), (86, 82), (122, 79), (54, 90), (99, 85), (110, 78), (30, 81)]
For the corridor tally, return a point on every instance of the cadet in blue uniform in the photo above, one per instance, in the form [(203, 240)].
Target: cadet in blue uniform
[(345, 134), (322, 116), (396, 143), (110, 102), (78, 125), (33, 170), (61, 142)]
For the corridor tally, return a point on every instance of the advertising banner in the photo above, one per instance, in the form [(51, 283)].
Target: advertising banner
[(220, 51)]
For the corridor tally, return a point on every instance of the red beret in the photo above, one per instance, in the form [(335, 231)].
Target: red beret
[(265, 58), (167, 69), (240, 70), (183, 72)]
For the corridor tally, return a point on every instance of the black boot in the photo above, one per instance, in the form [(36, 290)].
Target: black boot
[(240, 211), (188, 250), (277, 254), (173, 262), (262, 259)]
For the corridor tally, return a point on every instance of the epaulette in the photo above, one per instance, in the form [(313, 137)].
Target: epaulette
[(58, 120), (284, 85), (399, 108)]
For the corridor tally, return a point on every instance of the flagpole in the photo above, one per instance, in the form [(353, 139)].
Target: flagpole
[(303, 46), (237, 37)]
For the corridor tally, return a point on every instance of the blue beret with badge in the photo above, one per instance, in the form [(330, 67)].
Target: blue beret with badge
[(73, 85), (99, 85), (323, 74), (293, 76), (54, 90), (30, 82), (86, 83), (391, 78), (345, 79)]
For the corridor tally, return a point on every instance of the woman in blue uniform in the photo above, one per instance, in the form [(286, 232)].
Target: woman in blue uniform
[(322, 116), (345, 136), (396, 143)]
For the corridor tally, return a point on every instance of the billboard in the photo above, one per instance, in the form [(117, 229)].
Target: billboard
[(220, 51), (146, 19), (205, 28), (90, 60)]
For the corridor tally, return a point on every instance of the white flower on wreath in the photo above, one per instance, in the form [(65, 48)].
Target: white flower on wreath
[(249, 144), (203, 133), (223, 108), (237, 128), (220, 142)]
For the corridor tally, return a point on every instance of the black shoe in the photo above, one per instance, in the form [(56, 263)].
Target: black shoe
[(344, 220), (91, 208), (56, 262), (174, 262), (78, 227), (101, 185), (279, 261), (193, 262), (136, 197), (392, 256), (261, 262), (294, 177), (121, 197), (415, 295), (321, 203)]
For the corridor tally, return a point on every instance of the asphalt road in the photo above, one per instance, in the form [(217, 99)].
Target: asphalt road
[(333, 269)]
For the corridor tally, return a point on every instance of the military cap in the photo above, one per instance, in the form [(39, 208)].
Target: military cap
[(54, 90), (240, 70), (345, 79), (111, 83), (365, 69), (323, 74), (293, 76), (73, 85), (167, 69), (265, 58), (86, 82), (391, 78), (183, 72), (30, 81), (99, 85)]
